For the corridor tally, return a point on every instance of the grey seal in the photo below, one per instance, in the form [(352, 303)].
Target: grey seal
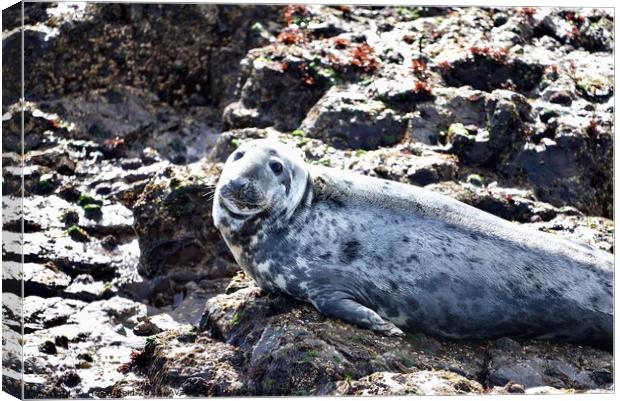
[(389, 256)]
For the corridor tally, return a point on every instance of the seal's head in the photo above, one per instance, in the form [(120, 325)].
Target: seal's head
[(261, 176)]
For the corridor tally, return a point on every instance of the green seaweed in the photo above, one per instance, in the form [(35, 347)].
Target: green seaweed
[(78, 234), (85, 199)]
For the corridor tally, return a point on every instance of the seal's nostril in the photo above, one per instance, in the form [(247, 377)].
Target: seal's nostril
[(237, 185)]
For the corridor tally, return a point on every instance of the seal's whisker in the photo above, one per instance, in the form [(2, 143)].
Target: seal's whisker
[(208, 193)]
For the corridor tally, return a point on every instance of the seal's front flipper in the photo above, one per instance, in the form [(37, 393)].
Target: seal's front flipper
[(351, 311)]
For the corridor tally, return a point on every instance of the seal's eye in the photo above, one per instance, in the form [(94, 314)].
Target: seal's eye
[(275, 166), (238, 156)]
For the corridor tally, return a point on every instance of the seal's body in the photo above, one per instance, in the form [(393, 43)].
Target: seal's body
[(381, 254)]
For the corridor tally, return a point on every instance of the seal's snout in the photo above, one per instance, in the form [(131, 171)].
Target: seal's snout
[(237, 186), (242, 193)]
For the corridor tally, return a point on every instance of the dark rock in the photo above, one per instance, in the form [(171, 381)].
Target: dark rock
[(488, 73), (62, 341), (452, 105), (506, 203), (273, 95), (69, 193), (70, 379), (561, 169), (78, 234), (472, 150), (345, 118), (277, 333), (32, 13), (34, 45), (499, 19), (514, 388), (85, 288), (507, 112), (533, 366), (70, 218), (48, 347), (596, 231), (146, 328), (40, 313), (563, 98), (44, 280), (131, 164), (175, 229), (218, 34), (507, 344), (65, 166), (547, 115), (93, 212), (97, 330), (109, 242)]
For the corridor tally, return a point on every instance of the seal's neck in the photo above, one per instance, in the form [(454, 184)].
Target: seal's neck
[(304, 201)]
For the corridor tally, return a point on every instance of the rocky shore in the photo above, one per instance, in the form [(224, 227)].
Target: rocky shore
[(130, 111)]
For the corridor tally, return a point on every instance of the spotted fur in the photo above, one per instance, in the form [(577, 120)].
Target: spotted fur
[(386, 255)]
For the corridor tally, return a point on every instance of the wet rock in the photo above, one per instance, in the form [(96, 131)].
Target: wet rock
[(85, 288), (34, 43), (44, 279), (474, 179), (418, 383), (105, 220), (32, 14), (259, 35), (558, 162), (102, 48), (540, 364), (190, 308), (507, 344), (276, 335), (452, 105), (93, 212), (596, 231), (560, 169), (592, 32), (109, 242), (146, 328), (597, 35), (78, 234), (425, 167), (96, 329), (563, 98), (281, 346), (48, 347), (65, 166), (123, 121), (345, 118), (509, 204), (38, 126), (487, 68), (238, 282), (507, 112), (42, 313), (274, 93), (70, 256), (70, 379), (208, 368), (131, 164), (175, 229)]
